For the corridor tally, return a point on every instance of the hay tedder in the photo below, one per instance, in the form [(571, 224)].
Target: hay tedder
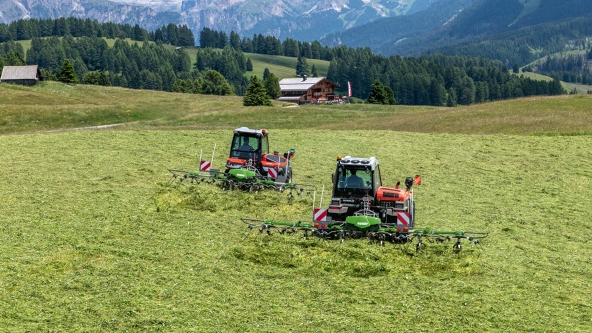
[(250, 166), (361, 207)]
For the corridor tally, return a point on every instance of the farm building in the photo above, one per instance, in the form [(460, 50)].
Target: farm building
[(25, 75), (307, 90)]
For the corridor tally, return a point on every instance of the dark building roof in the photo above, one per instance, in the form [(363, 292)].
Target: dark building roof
[(20, 73)]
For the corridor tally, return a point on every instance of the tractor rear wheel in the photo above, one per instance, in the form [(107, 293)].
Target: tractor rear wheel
[(289, 178), (411, 211)]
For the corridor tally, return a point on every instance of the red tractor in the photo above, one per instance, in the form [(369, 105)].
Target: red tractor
[(250, 150), (357, 188)]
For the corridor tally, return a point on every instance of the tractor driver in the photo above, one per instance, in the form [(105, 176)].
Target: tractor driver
[(354, 181), (246, 146)]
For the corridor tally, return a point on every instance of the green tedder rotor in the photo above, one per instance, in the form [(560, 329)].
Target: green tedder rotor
[(240, 179), (366, 227)]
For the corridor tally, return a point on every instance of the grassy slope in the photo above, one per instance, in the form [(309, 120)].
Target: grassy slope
[(53, 106), (95, 239)]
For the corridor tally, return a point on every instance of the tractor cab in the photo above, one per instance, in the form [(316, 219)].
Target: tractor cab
[(356, 177), (248, 145), (354, 181)]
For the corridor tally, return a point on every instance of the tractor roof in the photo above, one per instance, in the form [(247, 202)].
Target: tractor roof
[(372, 162), (258, 132)]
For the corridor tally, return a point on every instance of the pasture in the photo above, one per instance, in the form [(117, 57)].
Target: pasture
[(96, 238)]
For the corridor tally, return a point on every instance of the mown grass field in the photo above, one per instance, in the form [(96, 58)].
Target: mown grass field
[(95, 238)]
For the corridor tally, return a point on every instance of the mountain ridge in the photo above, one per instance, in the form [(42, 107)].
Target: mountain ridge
[(295, 19)]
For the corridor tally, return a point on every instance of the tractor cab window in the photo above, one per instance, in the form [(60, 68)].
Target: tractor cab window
[(377, 180), (357, 180), (264, 145), (245, 147)]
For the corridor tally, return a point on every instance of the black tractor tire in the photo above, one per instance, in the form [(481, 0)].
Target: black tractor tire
[(412, 215), (289, 178)]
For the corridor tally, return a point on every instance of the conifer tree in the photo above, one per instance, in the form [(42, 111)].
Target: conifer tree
[(313, 71), (265, 73), (378, 94), (249, 65), (301, 66), (215, 84), (66, 73), (451, 100), (272, 85), (256, 94), (390, 95)]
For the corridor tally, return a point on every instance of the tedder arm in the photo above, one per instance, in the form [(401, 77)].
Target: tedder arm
[(375, 232)]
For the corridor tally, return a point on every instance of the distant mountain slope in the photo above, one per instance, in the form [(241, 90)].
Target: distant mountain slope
[(522, 46), (384, 35), (542, 27), (452, 26), (554, 10)]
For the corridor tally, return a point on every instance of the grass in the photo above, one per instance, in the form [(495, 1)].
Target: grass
[(95, 238), (568, 86), (54, 106)]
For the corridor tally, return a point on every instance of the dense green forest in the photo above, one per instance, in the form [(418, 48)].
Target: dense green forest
[(426, 80), (264, 45), (429, 80), (31, 28), (575, 67), (526, 45)]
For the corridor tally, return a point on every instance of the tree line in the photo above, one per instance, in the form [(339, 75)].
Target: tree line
[(260, 44), (434, 79), (426, 80), (25, 29), (574, 68), (523, 46)]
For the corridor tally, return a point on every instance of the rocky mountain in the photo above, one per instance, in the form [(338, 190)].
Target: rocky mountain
[(100, 10), (299, 19)]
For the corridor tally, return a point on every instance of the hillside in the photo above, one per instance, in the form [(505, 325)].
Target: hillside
[(385, 35), (55, 106), (96, 237), (280, 66), (507, 30)]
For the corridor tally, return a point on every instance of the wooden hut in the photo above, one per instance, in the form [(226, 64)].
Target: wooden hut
[(25, 75)]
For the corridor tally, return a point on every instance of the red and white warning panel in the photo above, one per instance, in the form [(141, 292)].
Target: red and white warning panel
[(403, 221), (320, 215), (205, 166), (272, 173)]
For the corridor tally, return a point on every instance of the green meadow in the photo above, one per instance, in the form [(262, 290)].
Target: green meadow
[(97, 237)]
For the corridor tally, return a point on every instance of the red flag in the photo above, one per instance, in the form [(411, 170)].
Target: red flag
[(349, 89)]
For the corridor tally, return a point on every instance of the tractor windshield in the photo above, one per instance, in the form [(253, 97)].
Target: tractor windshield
[(354, 180), (245, 146)]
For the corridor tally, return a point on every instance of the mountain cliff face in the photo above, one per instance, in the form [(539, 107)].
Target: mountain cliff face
[(301, 19), (100, 10)]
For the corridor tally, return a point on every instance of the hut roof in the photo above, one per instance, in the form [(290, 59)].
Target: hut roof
[(19, 72)]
